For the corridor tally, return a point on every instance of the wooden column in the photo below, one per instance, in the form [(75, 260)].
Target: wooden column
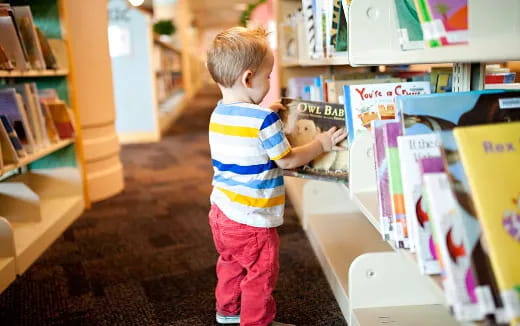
[(86, 29)]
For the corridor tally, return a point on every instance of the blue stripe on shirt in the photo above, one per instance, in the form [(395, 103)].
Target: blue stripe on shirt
[(241, 111), (248, 169), (273, 141), (255, 184), (269, 120)]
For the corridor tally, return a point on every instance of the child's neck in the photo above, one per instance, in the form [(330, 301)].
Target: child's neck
[(233, 95)]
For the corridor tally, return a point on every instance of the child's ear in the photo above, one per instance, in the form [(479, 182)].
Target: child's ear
[(247, 78)]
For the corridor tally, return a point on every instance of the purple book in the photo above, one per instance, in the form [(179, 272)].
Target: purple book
[(383, 192)]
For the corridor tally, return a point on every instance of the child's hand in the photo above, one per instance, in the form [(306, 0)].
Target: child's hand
[(277, 106), (331, 138)]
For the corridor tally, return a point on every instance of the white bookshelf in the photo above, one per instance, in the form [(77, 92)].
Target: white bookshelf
[(494, 28), (331, 61), (375, 283), (36, 207)]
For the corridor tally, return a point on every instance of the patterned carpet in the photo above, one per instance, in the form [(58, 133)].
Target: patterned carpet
[(146, 256)]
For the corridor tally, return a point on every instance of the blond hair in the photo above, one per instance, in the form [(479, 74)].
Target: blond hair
[(234, 51)]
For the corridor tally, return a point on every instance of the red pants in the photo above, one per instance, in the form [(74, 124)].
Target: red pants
[(247, 269)]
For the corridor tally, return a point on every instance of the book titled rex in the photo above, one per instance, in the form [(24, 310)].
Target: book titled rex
[(303, 121)]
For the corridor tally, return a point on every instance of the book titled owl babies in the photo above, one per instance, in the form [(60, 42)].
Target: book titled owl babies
[(303, 121)]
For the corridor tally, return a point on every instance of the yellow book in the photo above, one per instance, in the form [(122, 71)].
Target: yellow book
[(490, 155)]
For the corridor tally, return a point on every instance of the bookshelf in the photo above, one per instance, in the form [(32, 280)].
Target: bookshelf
[(48, 189), (374, 282)]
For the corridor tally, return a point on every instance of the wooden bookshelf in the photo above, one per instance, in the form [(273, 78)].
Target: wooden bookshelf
[(166, 45), (33, 73), (38, 155)]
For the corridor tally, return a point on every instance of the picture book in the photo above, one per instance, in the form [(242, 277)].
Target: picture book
[(5, 61), (307, 6), (445, 20), (410, 31), (11, 105), (340, 41), (367, 102), (335, 87), (33, 113), (11, 43), (9, 133), (383, 191), (62, 118), (8, 153), (411, 150), (392, 130), (449, 232), (303, 121), (423, 225), (491, 156), (485, 290), (438, 112), (25, 23)]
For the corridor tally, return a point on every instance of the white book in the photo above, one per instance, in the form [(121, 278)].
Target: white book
[(310, 28), (411, 150), (451, 243), (317, 6)]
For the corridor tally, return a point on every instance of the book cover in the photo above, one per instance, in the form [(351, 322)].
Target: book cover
[(411, 150), (392, 130), (448, 21), (39, 112), (491, 156), (25, 23), (458, 279), (62, 118), (5, 61), (11, 43), (335, 89), (8, 133), (410, 31), (52, 131), (424, 225), (437, 112), (486, 289), (383, 191), (33, 117), (430, 36), (303, 121), (11, 105), (308, 12), (367, 102)]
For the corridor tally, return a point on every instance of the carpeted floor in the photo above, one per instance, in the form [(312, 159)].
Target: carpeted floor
[(146, 256)]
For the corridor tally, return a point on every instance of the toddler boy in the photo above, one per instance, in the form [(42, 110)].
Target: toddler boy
[(249, 151)]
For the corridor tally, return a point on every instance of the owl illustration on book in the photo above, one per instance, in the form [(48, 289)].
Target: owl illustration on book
[(302, 131)]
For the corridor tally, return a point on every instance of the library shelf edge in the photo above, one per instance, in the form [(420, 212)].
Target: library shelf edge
[(7, 253), (38, 155), (33, 73), (331, 61), (170, 110)]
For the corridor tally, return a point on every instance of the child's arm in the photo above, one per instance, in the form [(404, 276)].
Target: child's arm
[(301, 155)]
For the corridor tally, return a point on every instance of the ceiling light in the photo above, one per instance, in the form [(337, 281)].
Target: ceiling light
[(136, 3)]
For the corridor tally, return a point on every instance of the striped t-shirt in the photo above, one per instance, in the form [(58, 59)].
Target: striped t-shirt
[(245, 140)]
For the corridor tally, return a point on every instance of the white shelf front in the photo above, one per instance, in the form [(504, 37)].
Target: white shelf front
[(494, 29), (429, 315)]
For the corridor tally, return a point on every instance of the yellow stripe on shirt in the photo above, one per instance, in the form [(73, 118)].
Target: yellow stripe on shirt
[(233, 130), (253, 202), (287, 151)]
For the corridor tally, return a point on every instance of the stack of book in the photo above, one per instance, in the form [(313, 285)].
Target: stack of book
[(448, 182), (23, 46), (448, 190), (317, 30), (31, 120)]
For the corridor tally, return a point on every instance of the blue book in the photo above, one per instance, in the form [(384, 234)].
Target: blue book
[(13, 137), (438, 112)]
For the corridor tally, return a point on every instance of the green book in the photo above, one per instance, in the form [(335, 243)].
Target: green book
[(410, 31)]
